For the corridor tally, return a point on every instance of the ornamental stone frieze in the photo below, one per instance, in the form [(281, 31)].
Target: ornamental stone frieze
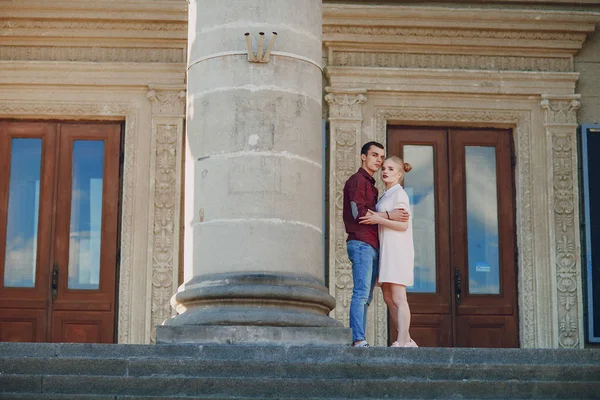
[(81, 31), (560, 121), (497, 39), (168, 104)]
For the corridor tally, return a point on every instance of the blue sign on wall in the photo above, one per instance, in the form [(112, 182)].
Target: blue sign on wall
[(590, 148)]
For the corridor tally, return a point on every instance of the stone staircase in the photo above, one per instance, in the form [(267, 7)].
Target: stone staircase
[(102, 372)]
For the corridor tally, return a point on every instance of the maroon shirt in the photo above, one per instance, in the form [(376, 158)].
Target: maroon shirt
[(360, 195)]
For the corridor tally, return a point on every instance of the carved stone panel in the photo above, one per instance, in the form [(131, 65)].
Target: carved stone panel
[(167, 126), (449, 61), (561, 125)]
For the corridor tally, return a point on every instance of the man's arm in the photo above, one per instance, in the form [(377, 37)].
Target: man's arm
[(357, 197), (399, 214)]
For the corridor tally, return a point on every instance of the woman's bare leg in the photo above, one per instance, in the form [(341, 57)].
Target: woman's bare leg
[(403, 312), (387, 297)]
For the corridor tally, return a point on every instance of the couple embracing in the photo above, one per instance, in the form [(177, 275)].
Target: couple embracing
[(380, 242)]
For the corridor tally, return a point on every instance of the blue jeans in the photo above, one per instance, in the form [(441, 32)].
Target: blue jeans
[(365, 268)]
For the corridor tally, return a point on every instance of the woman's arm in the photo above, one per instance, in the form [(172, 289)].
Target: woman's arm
[(373, 218)]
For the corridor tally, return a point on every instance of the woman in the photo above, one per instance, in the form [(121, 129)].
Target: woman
[(396, 250)]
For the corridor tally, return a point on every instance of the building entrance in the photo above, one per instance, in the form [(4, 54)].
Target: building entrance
[(462, 198), (59, 214)]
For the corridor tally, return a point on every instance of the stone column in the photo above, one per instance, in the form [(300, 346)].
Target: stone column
[(560, 121), (254, 203)]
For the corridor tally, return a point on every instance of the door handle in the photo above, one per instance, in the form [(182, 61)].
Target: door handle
[(54, 281), (457, 286)]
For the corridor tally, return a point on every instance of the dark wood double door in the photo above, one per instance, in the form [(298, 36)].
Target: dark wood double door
[(462, 198), (59, 203)]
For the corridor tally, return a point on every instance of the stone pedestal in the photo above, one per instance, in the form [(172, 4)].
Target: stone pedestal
[(254, 239)]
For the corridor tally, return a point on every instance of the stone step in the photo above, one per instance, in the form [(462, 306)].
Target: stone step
[(75, 371), (301, 388), (312, 354), (368, 369)]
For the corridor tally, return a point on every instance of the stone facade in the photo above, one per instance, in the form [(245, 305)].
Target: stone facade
[(391, 72), (404, 64), (66, 61)]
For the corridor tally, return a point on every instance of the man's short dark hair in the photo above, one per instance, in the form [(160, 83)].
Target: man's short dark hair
[(367, 146)]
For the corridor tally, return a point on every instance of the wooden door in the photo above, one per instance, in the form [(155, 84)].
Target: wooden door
[(462, 192), (59, 198)]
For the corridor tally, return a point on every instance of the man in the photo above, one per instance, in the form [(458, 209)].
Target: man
[(360, 198)]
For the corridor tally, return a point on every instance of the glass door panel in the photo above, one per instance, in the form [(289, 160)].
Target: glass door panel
[(27, 159), (482, 220), (87, 233), (483, 238), (420, 187), (21, 243), (86, 214), (430, 298)]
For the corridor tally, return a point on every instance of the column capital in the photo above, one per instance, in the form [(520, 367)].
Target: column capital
[(167, 100), (560, 109), (345, 103)]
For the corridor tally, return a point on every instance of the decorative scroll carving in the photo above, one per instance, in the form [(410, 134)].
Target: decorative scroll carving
[(452, 33), (130, 112), (95, 54), (171, 102), (345, 105), (560, 111), (450, 61), (166, 201), (168, 105), (522, 136), (561, 125)]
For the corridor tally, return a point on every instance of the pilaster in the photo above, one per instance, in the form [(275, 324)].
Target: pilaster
[(560, 122), (345, 127), (168, 103)]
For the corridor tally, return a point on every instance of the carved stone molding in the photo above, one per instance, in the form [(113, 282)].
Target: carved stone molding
[(449, 61), (414, 36), (561, 123), (521, 122), (94, 31), (450, 33), (94, 54), (130, 112), (8, 25)]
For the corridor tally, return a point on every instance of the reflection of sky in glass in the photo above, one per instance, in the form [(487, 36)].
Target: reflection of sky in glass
[(86, 214), (23, 209), (419, 186), (482, 220)]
